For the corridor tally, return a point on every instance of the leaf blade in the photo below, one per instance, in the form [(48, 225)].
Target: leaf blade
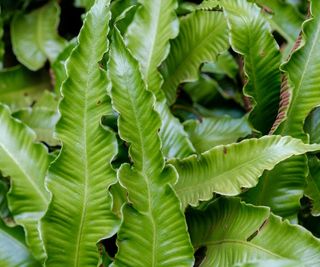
[(79, 177)]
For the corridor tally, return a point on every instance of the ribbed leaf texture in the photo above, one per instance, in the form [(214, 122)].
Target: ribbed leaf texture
[(283, 186), (235, 233), (228, 169), (303, 72), (26, 163), (283, 18), (250, 36), (153, 222), (203, 35), (175, 140), (147, 37), (211, 132), (34, 36), (154, 24), (13, 249), (80, 212)]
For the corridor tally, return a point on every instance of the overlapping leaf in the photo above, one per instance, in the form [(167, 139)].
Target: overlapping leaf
[(80, 212), (224, 230), (283, 186), (211, 132), (153, 222), (154, 24), (13, 249), (175, 141), (203, 35), (303, 72), (250, 35), (26, 163), (285, 19), (228, 169), (34, 36)]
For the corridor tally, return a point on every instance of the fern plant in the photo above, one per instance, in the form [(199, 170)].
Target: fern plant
[(159, 133)]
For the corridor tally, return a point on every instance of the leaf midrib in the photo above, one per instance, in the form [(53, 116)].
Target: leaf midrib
[(171, 78), (306, 65), (209, 181), (244, 243), (29, 178)]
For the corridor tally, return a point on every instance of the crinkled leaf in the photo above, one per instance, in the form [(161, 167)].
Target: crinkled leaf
[(203, 36), (34, 36), (228, 169), (153, 222), (26, 163), (154, 24), (283, 18), (303, 77), (250, 36), (211, 132), (80, 212), (59, 66), (283, 187), (235, 233)]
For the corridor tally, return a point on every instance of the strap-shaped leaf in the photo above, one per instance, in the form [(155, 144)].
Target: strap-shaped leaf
[(250, 35), (236, 233), (175, 141), (34, 36), (303, 72), (80, 212), (228, 169), (211, 132), (13, 249), (283, 186), (26, 163), (19, 87), (153, 223), (42, 118), (284, 18), (154, 24), (203, 35)]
